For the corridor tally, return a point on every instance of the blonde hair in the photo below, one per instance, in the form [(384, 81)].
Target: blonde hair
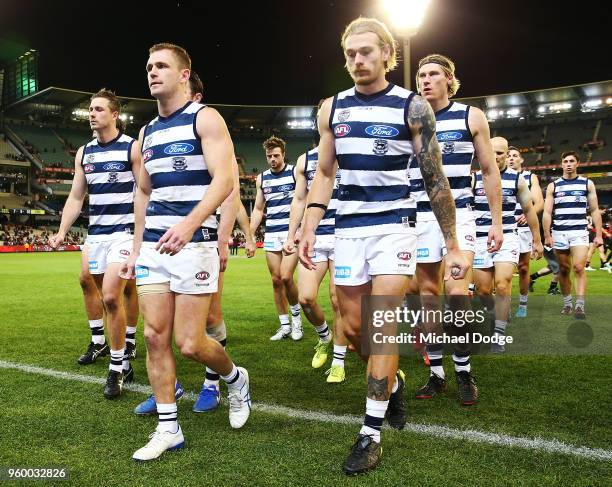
[(362, 25), (179, 53), (447, 65)]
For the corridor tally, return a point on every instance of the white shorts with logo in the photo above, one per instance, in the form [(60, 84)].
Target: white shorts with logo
[(194, 270), (323, 248), (509, 252), (358, 259), (525, 241), (573, 238), (430, 241), (275, 242), (102, 253)]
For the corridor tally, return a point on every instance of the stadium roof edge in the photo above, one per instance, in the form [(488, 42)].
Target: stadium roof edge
[(143, 108)]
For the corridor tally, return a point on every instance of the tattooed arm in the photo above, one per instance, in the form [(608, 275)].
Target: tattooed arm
[(422, 125)]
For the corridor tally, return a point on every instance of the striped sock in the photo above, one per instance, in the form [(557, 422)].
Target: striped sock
[(284, 320), (166, 414), (580, 302), (234, 380), (97, 331), (323, 332), (374, 416), (339, 354), (130, 335), (296, 317), (116, 361), (435, 354), (500, 327), (523, 299), (212, 378), (462, 362), (567, 300)]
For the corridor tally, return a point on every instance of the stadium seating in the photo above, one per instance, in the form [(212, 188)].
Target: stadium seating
[(6, 148), (9, 200), (75, 137), (45, 141)]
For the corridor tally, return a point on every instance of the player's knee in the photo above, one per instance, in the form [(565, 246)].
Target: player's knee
[(153, 339), (578, 268), (111, 301), (523, 268), (351, 332), (277, 282), (307, 300), (287, 280), (564, 269), (86, 282), (430, 288), (189, 347), (503, 288)]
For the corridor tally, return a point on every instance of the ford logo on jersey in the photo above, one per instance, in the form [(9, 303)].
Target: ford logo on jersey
[(285, 187), (381, 131), (444, 136), (179, 148), (113, 166)]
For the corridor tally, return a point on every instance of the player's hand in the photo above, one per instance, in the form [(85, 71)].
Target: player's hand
[(549, 242), (495, 238), (289, 246), (175, 238), (56, 240), (250, 247), (306, 248), (598, 241), (126, 271), (456, 265), (537, 250), (223, 255), (521, 220)]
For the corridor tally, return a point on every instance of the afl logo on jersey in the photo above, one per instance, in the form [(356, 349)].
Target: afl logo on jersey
[(381, 131), (444, 136), (202, 276), (404, 255), (179, 148), (480, 192), (89, 168), (146, 155), (342, 130), (267, 190)]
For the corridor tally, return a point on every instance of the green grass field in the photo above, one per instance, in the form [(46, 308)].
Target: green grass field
[(53, 421)]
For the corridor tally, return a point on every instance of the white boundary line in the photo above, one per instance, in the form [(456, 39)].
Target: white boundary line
[(538, 444)]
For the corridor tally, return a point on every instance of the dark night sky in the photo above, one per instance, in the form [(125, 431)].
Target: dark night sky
[(287, 52)]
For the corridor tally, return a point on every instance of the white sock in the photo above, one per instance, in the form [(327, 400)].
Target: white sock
[(97, 331), (166, 414), (580, 302), (234, 380), (339, 354), (523, 299), (395, 385), (375, 414), (116, 361), (130, 334), (462, 364), (323, 332), (284, 320)]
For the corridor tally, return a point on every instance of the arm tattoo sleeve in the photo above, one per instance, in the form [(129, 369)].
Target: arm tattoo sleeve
[(421, 118), (378, 389)]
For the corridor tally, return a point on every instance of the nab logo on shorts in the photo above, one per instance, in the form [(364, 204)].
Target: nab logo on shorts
[(422, 252), (479, 261), (142, 271), (93, 265), (342, 130), (404, 255), (124, 252), (202, 276), (343, 272)]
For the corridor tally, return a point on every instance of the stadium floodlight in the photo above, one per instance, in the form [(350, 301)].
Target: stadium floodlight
[(609, 100), (593, 103), (493, 114), (513, 112), (406, 17), (303, 124), (541, 109)]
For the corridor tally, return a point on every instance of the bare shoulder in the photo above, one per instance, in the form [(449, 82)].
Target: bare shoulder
[(209, 122), (476, 120)]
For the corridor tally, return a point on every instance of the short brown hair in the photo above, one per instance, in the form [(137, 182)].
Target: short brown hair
[(113, 103), (274, 142), (362, 25), (570, 153), (180, 53), (195, 84), (447, 65)]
